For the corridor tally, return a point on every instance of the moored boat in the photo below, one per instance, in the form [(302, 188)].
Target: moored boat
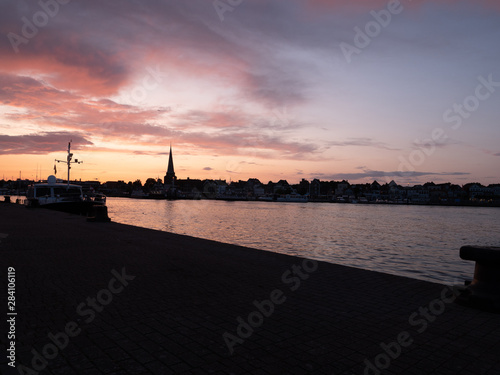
[(56, 195), (59, 196)]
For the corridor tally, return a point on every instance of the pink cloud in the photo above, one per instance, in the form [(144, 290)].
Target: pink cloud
[(69, 64), (112, 122), (98, 49)]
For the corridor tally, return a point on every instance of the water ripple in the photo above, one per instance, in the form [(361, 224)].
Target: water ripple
[(415, 241)]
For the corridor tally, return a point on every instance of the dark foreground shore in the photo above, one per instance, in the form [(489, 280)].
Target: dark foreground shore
[(106, 298)]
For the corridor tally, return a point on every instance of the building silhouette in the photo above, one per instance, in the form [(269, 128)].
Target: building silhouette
[(170, 178)]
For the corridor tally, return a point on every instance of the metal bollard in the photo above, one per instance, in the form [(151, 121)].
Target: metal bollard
[(100, 214), (484, 290)]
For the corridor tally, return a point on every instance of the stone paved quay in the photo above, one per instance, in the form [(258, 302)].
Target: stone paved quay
[(187, 292)]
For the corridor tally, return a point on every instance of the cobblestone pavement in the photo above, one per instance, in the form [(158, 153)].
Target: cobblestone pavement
[(106, 298)]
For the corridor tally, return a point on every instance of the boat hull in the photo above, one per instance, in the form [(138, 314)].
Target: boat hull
[(79, 208)]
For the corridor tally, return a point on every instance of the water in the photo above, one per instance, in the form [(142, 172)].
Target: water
[(421, 242)]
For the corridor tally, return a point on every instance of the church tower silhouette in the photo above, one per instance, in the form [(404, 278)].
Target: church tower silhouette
[(170, 178)]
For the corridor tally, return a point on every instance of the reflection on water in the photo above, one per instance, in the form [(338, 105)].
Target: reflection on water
[(421, 242)]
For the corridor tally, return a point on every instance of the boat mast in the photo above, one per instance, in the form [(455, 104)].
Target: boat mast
[(68, 160)]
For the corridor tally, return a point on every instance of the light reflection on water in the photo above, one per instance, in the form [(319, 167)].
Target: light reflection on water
[(421, 242)]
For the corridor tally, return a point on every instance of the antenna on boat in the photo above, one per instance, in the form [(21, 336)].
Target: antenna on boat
[(68, 160)]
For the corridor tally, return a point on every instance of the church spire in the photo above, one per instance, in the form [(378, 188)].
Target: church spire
[(170, 176), (170, 168)]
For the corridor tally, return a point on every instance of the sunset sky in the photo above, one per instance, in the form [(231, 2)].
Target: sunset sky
[(276, 89)]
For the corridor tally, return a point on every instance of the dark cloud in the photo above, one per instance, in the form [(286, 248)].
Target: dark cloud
[(151, 153), (368, 174), (431, 144), (276, 89), (363, 142), (42, 143)]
